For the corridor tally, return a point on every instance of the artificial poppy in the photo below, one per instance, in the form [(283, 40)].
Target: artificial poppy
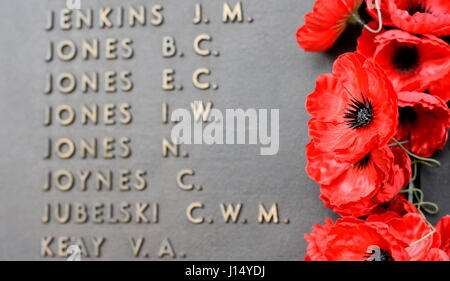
[(354, 189), (412, 63), (326, 23), (399, 204), (385, 237), (416, 16), (353, 109), (409, 229), (351, 239), (424, 121), (441, 88), (350, 182), (401, 178), (443, 228)]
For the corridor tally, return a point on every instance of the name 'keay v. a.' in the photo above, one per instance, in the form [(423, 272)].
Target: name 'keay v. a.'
[(132, 16)]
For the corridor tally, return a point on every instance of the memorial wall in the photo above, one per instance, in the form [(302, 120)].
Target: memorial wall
[(121, 134)]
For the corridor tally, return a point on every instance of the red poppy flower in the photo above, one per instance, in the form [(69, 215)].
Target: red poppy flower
[(351, 239), (391, 236), (353, 109), (344, 183), (416, 16), (443, 228), (410, 62), (424, 121), (354, 189), (401, 178), (409, 229), (441, 88), (399, 204), (436, 254), (326, 23)]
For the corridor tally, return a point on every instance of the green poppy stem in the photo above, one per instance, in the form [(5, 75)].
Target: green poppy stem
[(433, 163), (429, 207), (356, 18)]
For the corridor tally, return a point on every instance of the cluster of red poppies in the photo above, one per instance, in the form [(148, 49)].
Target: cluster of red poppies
[(398, 232), (385, 102)]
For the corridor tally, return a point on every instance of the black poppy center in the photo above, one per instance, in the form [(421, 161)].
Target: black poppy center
[(406, 58), (363, 162), (407, 115), (385, 256), (416, 6), (359, 114)]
